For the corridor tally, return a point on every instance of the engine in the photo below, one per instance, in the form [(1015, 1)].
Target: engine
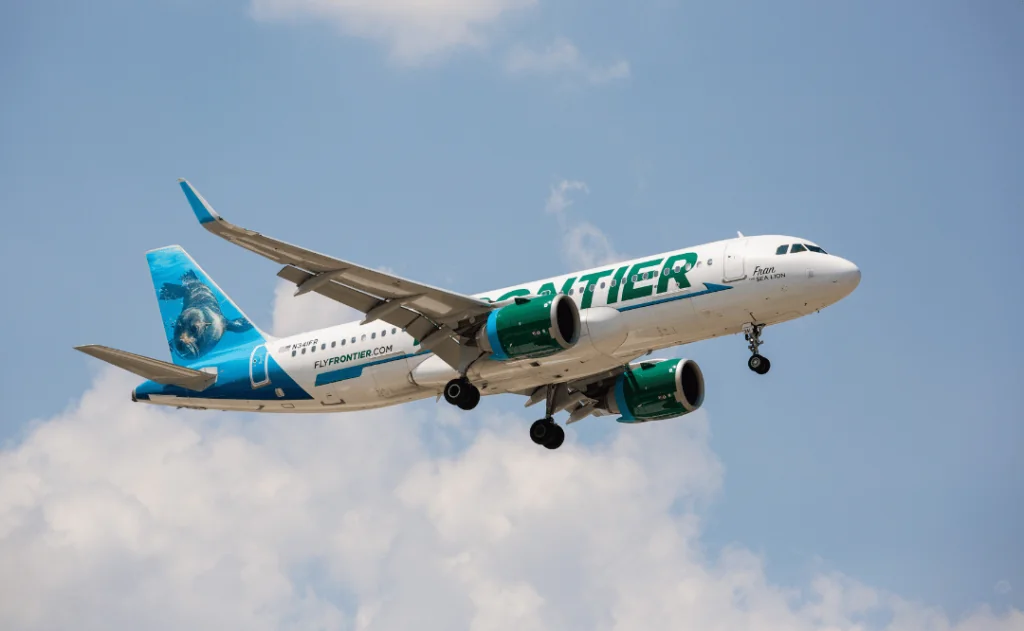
[(531, 328), (655, 390)]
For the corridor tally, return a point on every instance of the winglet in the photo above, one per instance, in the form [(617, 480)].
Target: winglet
[(204, 212)]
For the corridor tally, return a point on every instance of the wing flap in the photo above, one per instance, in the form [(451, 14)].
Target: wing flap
[(153, 369)]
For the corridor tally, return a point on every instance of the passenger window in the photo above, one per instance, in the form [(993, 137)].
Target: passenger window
[(312, 349), (384, 332), (343, 342), (571, 291), (333, 344), (293, 353), (353, 339), (602, 284), (323, 346), (373, 335), (797, 248), (614, 283), (590, 288), (303, 351), (394, 330), (364, 337), (782, 249), (634, 278)]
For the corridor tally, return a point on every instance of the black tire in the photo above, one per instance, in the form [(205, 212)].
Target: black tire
[(755, 362), (540, 431), (454, 390), (470, 397), (765, 366), (556, 436)]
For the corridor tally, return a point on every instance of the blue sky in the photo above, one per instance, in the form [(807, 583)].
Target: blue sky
[(886, 442)]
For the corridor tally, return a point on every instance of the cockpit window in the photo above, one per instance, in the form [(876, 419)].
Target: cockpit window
[(797, 248), (782, 249), (814, 248)]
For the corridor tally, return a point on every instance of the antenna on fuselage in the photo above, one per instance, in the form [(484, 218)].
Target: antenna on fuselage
[(739, 234)]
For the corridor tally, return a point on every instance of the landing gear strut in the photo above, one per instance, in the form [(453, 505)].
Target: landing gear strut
[(462, 393), (757, 362), (545, 431)]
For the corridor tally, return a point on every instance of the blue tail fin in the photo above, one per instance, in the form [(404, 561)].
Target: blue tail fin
[(201, 323)]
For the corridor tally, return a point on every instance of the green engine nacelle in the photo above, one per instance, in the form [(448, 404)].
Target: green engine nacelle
[(531, 328), (655, 390)]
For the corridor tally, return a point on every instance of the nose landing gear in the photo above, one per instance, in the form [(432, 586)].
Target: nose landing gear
[(462, 393), (757, 362)]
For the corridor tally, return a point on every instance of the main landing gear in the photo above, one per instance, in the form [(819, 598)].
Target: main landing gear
[(545, 431), (462, 393), (757, 362)]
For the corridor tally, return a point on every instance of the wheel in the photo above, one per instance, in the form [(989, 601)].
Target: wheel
[(469, 398), (556, 436), (759, 364), (453, 391), (541, 430)]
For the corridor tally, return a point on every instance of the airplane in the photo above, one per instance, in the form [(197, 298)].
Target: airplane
[(577, 342)]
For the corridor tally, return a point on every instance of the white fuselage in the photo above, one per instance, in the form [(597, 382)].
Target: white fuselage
[(354, 366)]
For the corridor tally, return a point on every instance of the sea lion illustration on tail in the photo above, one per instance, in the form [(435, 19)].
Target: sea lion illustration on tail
[(201, 323), (197, 314)]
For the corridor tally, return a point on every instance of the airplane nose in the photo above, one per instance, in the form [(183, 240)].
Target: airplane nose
[(846, 275)]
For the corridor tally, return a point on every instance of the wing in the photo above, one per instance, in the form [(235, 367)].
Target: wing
[(436, 317)]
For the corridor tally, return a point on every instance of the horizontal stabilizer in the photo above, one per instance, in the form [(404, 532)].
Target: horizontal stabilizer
[(161, 372)]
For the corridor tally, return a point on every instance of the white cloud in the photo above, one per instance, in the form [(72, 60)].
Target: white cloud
[(588, 246), (116, 515), (584, 245), (414, 30), (559, 200), (562, 59)]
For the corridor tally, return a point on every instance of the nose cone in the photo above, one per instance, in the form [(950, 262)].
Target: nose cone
[(845, 276)]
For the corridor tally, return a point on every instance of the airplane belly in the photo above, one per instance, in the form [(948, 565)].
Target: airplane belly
[(391, 380), (356, 390), (501, 377)]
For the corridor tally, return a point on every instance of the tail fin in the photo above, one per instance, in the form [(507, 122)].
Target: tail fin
[(201, 323)]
